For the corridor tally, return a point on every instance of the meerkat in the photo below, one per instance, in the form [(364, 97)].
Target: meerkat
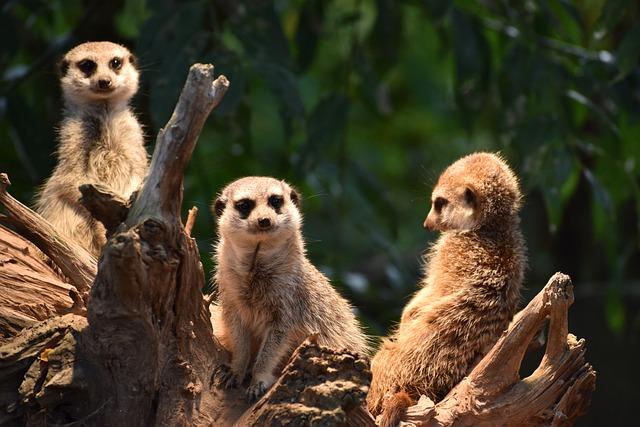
[(270, 296), (469, 292), (100, 139)]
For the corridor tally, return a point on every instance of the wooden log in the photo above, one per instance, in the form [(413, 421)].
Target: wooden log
[(74, 261), (30, 289), (556, 393)]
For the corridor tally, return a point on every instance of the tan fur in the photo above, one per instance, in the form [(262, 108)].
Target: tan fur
[(470, 289), (394, 408), (270, 296), (101, 141)]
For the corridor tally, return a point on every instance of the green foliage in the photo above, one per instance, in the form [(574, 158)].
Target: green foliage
[(361, 105)]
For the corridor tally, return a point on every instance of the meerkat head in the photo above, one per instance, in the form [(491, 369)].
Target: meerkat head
[(98, 71), (258, 209), (474, 191)]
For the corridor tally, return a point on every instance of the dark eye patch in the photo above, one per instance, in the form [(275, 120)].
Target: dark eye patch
[(276, 201), (469, 196), (87, 66), (115, 64), (439, 203), (244, 207)]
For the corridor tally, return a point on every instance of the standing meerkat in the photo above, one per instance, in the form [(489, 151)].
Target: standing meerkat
[(470, 289), (100, 139), (270, 296)]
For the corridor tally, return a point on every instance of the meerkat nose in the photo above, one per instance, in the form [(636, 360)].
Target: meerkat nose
[(429, 222), (104, 83), (264, 222)]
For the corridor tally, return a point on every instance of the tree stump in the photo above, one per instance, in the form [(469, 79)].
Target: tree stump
[(127, 339)]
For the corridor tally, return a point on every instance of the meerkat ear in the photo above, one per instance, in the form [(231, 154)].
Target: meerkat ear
[(218, 206), (133, 60), (470, 196), (295, 197), (63, 67)]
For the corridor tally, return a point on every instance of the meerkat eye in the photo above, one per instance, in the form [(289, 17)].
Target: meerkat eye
[(245, 206), (439, 203), (87, 66), (115, 64), (276, 201), (469, 196)]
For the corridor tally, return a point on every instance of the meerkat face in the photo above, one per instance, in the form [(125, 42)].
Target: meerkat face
[(98, 71), (453, 209), (475, 190), (258, 209)]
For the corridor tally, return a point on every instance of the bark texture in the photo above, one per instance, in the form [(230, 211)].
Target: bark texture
[(127, 340)]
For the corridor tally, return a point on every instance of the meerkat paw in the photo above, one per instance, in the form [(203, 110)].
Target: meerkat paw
[(224, 377), (255, 391), (259, 387)]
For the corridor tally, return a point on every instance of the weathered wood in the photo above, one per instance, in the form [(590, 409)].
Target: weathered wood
[(191, 220), (74, 261), (556, 393), (30, 289), (148, 287), (319, 386), (148, 347), (104, 205), (161, 193), (38, 370)]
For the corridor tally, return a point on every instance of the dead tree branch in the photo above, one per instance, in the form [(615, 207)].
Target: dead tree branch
[(31, 289), (555, 394), (75, 262)]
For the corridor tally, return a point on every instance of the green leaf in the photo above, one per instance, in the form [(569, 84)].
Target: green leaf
[(612, 11), (628, 53), (132, 17), (473, 64), (600, 193), (556, 172), (437, 9), (325, 129), (308, 31)]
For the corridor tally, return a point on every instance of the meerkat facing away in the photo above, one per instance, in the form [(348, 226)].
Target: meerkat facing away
[(100, 139), (470, 289), (270, 296)]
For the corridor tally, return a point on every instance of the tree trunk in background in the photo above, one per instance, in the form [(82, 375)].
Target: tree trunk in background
[(130, 343)]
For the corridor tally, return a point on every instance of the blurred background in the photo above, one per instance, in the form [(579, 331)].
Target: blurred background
[(361, 104)]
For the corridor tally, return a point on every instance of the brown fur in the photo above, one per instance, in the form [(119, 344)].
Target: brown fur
[(394, 408), (270, 296), (101, 141), (470, 289)]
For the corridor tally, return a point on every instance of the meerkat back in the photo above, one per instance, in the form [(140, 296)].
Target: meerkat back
[(470, 289), (100, 139)]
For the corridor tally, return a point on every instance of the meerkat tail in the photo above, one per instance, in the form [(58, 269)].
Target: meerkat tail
[(394, 409)]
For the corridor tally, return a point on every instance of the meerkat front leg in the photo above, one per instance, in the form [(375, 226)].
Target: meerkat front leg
[(273, 348), (240, 357)]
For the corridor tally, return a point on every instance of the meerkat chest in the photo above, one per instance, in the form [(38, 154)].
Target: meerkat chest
[(115, 150), (265, 299)]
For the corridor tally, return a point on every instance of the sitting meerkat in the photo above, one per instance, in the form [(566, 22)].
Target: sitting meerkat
[(470, 289), (270, 297), (100, 139)]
